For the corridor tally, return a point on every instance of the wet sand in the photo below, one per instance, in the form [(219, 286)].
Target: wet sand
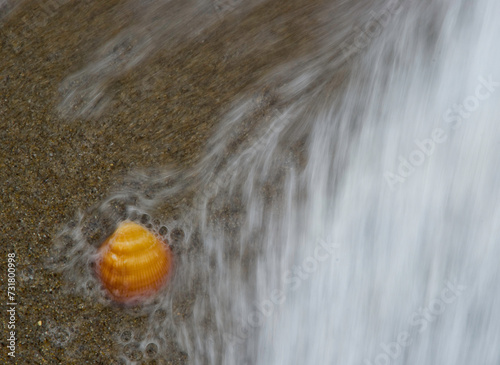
[(161, 113)]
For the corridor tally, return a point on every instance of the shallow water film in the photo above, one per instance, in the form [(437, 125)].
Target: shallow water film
[(220, 182)]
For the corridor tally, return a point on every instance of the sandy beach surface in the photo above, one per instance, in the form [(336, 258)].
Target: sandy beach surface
[(53, 166)]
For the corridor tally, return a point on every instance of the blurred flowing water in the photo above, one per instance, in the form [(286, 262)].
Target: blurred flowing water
[(357, 220)]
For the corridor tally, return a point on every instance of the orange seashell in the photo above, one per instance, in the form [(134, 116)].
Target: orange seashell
[(133, 263)]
